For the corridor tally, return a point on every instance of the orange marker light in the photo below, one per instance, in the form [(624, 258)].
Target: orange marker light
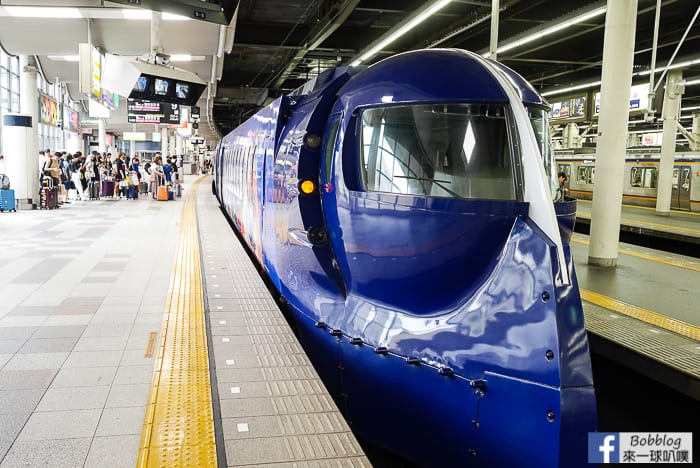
[(307, 187)]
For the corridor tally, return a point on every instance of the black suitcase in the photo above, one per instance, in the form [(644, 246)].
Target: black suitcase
[(48, 198), (94, 189), (144, 188)]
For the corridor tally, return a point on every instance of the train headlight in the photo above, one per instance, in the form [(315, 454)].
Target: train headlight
[(307, 187), (312, 140)]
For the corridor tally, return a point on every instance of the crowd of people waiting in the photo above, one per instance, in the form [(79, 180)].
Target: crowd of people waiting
[(120, 178)]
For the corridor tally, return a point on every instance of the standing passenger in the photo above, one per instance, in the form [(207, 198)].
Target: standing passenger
[(157, 175), (119, 168), (561, 189)]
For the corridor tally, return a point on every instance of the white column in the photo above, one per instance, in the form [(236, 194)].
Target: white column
[(178, 146), (695, 132), (29, 105), (172, 139), (618, 54), (670, 113), (132, 149), (101, 136), (164, 141)]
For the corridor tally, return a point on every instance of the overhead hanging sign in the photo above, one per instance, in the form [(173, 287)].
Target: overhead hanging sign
[(639, 98), (139, 111), (569, 109)]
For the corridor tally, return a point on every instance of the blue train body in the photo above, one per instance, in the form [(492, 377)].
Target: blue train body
[(432, 287)]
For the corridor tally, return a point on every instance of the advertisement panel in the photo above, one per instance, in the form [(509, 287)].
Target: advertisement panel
[(570, 109), (48, 110), (70, 119)]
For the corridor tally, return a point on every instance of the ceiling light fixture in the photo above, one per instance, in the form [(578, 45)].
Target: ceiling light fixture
[(135, 14), (593, 84), (64, 58), (186, 58), (42, 12), (549, 31), (434, 8), (572, 88)]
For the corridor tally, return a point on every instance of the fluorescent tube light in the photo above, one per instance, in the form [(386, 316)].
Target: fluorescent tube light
[(137, 14), (550, 30), (402, 30), (572, 88), (64, 58), (42, 12)]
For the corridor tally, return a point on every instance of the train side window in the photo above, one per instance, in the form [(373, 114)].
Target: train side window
[(330, 147), (441, 150), (685, 180), (676, 173), (644, 177), (585, 175)]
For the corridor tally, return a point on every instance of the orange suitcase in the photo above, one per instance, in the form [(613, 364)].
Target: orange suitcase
[(162, 193)]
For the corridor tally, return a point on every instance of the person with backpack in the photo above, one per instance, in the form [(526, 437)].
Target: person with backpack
[(168, 169)]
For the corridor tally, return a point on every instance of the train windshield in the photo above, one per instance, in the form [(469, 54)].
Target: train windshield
[(438, 150), (540, 124)]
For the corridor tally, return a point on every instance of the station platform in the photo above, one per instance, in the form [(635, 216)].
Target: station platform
[(678, 226), (138, 332), (643, 314)]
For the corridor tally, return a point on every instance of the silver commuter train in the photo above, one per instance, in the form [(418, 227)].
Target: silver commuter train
[(641, 177)]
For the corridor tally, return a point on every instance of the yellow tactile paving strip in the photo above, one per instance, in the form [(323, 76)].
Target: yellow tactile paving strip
[(178, 428), (651, 258), (653, 318), (647, 316)]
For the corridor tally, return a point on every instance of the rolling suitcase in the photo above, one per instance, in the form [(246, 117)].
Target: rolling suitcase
[(7, 200), (94, 189), (133, 192), (171, 194), (162, 193), (107, 188), (48, 195), (144, 188)]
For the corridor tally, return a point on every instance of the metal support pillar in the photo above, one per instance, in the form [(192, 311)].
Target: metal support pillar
[(618, 54), (494, 29), (671, 113)]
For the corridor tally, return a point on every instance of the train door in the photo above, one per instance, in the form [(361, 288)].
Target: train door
[(680, 193)]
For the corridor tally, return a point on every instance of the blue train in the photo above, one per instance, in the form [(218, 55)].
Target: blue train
[(404, 211)]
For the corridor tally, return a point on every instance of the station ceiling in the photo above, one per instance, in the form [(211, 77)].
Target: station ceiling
[(273, 46)]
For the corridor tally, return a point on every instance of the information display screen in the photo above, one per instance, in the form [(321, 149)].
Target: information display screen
[(161, 89)]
